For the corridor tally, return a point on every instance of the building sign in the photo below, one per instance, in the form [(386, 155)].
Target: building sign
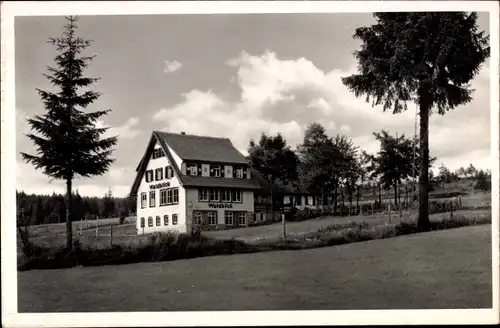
[(160, 185), (219, 205)]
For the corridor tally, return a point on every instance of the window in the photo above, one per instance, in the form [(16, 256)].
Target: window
[(152, 198), (239, 173), (169, 196), (168, 172), (149, 175), (237, 196), (176, 196), (242, 218), (203, 194), (192, 169), (197, 217), (228, 218), (174, 219), (306, 200), (215, 170), (150, 221), (143, 222), (159, 174), (158, 220), (144, 200), (225, 195), (157, 153), (163, 197), (298, 200), (212, 218), (214, 194)]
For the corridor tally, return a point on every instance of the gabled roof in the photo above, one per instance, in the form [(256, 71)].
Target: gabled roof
[(200, 148)]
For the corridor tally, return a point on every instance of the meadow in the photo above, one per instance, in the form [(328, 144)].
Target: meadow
[(438, 269), (434, 270)]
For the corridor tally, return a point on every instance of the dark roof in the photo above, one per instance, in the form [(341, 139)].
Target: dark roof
[(200, 148), (181, 145), (197, 181)]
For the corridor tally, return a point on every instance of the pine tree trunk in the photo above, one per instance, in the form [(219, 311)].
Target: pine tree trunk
[(69, 213), (335, 200), (379, 194), (423, 223), (357, 198), (399, 193), (357, 201), (395, 194), (343, 201)]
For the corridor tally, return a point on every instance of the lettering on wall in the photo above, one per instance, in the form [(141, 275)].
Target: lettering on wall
[(219, 205), (159, 185)]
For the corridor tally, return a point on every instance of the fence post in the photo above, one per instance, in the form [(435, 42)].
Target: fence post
[(111, 236), (389, 207)]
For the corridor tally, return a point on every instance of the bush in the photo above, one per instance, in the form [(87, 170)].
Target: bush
[(436, 206), (123, 216), (172, 246)]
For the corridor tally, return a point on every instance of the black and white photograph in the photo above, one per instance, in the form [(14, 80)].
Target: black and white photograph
[(250, 163)]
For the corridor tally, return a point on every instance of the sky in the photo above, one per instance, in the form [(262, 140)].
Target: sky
[(233, 76)]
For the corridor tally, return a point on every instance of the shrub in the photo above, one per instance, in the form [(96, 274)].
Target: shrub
[(123, 216), (173, 246)]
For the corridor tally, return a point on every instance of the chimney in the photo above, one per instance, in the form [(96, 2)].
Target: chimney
[(183, 133)]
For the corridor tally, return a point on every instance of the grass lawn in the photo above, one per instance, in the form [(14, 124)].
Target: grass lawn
[(441, 269), (127, 234)]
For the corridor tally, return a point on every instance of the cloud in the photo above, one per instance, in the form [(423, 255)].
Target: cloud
[(284, 95), (128, 130), (171, 66)]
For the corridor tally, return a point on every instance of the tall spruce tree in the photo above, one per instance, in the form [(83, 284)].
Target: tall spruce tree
[(68, 143), (425, 57)]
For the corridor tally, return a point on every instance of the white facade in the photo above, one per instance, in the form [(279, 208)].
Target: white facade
[(194, 204), (147, 212), (163, 204)]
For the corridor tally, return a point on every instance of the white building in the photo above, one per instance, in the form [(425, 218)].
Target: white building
[(185, 180)]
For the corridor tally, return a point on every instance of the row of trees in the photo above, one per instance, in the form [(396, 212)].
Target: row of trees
[(44, 209), (334, 166), (445, 175)]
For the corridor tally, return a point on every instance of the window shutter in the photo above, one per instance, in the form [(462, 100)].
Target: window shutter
[(222, 169)]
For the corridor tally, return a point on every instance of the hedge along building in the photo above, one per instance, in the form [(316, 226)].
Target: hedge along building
[(185, 180)]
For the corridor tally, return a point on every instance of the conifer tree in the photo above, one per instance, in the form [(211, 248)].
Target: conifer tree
[(425, 57), (68, 143)]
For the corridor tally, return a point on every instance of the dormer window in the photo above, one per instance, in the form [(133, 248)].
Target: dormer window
[(215, 171), (192, 169), (239, 173)]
